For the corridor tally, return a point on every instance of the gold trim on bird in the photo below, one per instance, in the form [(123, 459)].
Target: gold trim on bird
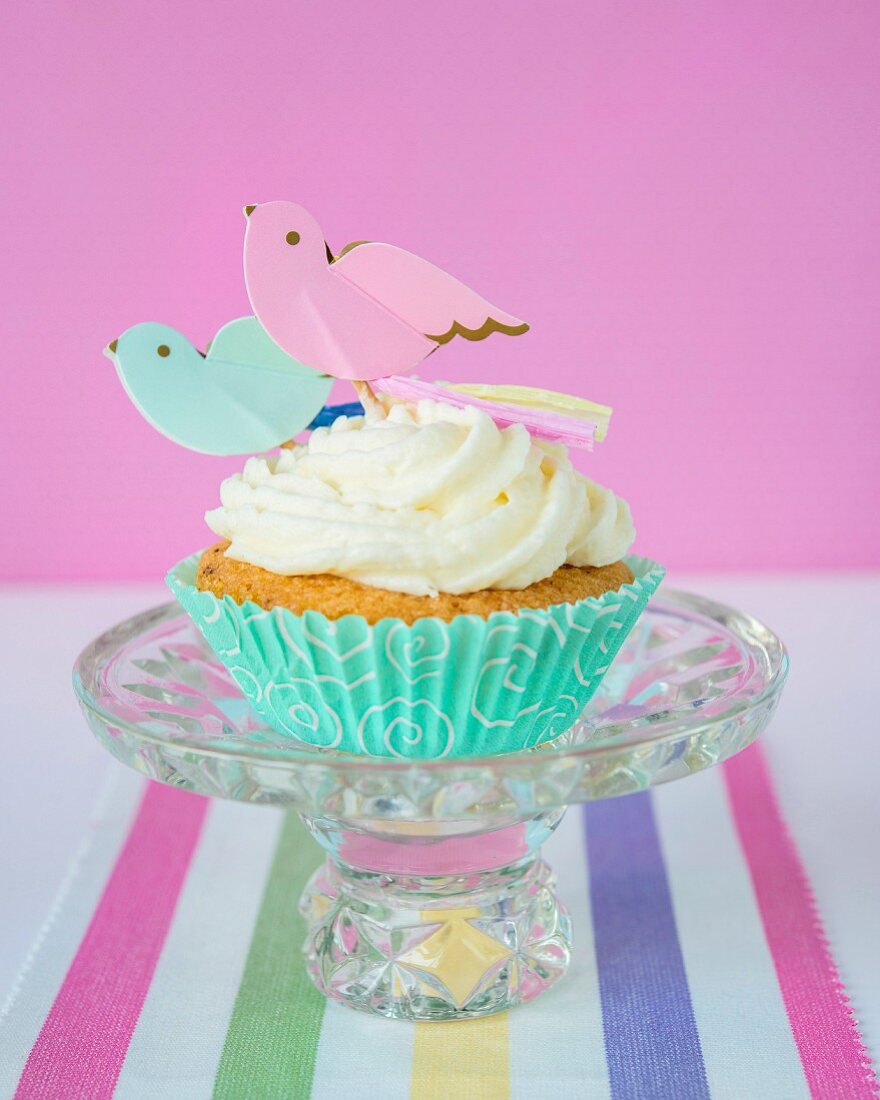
[(489, 326), (349, 247)]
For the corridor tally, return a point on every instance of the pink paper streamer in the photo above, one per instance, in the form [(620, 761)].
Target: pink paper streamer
[(832, 1053), (83, 1042), (569, 430)]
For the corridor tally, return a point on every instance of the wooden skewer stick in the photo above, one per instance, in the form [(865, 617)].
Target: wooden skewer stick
[(368, 399)]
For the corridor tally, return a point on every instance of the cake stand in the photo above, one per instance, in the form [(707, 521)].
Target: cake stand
[(434, 902)]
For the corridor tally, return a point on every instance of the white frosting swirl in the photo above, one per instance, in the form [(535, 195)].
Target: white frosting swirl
[(429, 499)]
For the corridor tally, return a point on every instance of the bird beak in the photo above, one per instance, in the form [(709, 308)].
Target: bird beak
[(248, 210), (110, 350)]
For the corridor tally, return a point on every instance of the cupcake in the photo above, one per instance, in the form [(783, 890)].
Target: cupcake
[(417, 582), (430, 579)]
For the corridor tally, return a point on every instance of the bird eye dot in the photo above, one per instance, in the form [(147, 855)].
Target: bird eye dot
[(292, 237), (163, 350)]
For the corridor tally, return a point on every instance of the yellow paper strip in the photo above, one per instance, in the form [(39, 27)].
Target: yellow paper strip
[(469, 1058), (531, 397)]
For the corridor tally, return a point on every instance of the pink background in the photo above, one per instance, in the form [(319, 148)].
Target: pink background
[(682, 199)]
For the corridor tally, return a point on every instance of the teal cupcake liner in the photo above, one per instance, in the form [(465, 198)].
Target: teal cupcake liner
[(432, 689)]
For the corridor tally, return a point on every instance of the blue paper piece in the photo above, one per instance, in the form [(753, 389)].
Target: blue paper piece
[(329, 413), (245, 395)]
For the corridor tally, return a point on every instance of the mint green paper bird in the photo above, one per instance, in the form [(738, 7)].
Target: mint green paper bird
[(243, 396)]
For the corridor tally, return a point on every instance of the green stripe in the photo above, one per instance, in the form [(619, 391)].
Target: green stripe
[(272, 1040)]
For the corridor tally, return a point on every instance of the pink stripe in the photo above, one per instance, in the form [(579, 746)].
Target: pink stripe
[(83, 1042), (570, 430), (834, 1059)]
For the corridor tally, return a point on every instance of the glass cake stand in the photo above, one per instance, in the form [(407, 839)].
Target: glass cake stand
[(434, 902)]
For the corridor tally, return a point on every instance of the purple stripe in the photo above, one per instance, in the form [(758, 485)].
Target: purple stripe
[(651, 1039)]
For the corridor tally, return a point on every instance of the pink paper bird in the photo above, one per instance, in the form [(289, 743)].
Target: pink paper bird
[(372, 311)]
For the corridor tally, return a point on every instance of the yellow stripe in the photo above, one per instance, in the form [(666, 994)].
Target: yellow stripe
[(468, 1060)]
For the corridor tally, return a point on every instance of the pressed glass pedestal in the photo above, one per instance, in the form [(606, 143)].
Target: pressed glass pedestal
[(434, 902)]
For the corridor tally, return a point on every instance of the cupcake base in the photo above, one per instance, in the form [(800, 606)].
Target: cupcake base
[(469, 687), (335, 597)]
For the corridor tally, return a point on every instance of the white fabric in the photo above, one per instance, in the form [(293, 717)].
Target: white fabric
[(56, 933), (176, 1045), (724, 946), (353, 1061), (822, 747), (53, 769), (558, 1039)]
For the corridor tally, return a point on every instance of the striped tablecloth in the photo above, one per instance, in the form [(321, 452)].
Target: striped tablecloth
[(169, 966)]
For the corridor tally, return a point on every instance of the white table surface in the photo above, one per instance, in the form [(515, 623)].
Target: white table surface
[(823, 748)]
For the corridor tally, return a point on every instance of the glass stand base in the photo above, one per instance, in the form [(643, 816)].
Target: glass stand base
[(435, 904), (435, 948)]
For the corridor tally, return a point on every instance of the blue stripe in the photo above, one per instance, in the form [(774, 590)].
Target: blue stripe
[(651, 1039), (331, 412)]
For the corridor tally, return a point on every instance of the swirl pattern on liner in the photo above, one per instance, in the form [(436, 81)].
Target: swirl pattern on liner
[(429, 499)]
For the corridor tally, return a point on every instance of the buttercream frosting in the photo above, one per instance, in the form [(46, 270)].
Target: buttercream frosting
[(428, 498)]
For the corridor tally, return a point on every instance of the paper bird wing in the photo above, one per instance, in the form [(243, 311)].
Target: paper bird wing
[(257, 396), (427, 298), (239, 399), (245, 341)]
